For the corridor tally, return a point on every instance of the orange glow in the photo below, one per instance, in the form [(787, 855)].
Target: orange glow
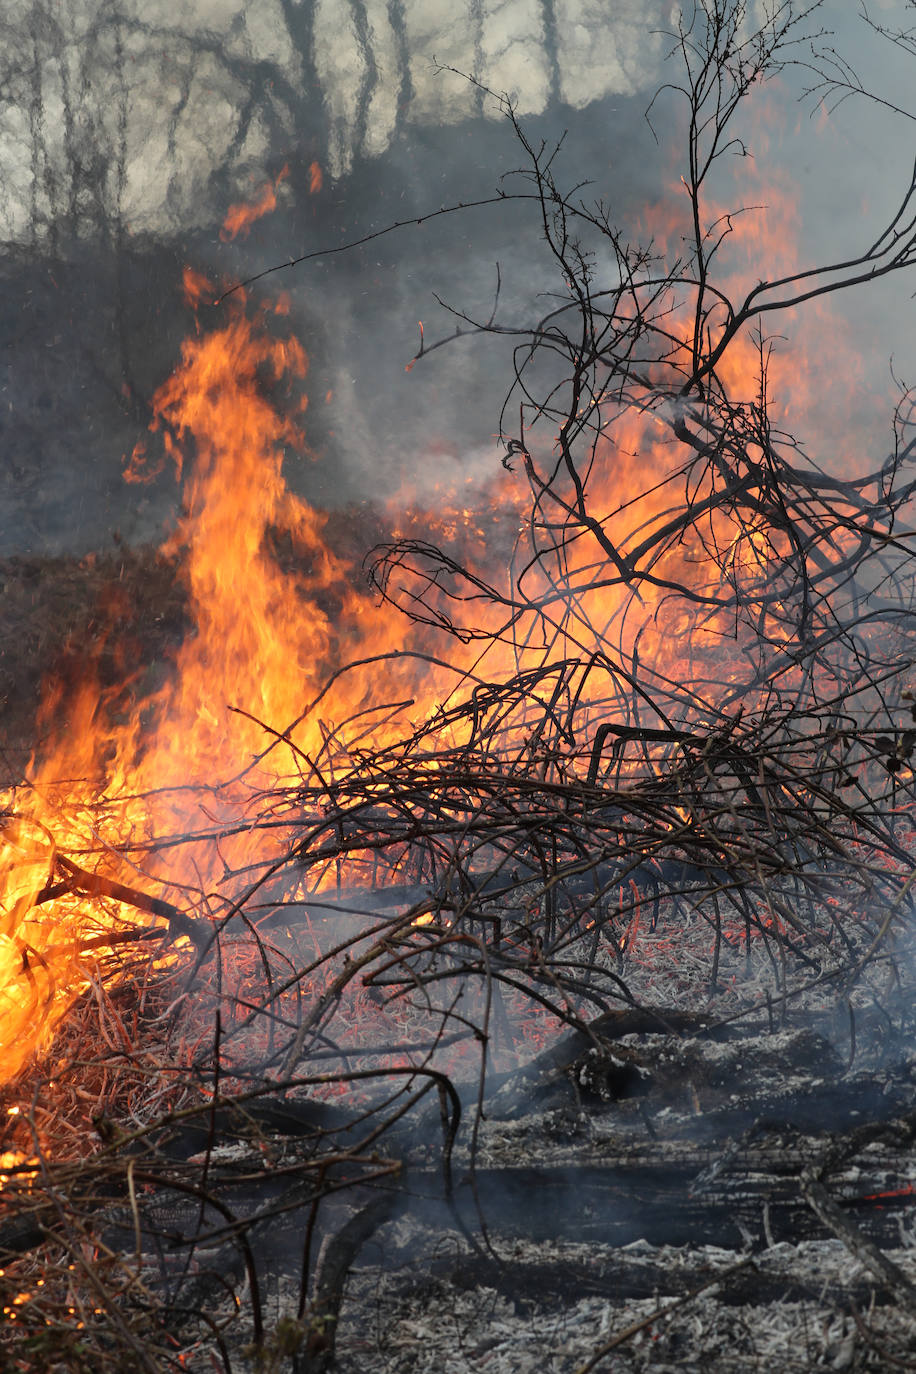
[(242, 216), (121, 767), (198, 289), (276, 612), (316, 178)]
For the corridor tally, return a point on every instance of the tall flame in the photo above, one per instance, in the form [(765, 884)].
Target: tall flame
[(275, 613), (123, 763)]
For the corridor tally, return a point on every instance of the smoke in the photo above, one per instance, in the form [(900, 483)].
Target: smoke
[(123, 148), (122, 151)]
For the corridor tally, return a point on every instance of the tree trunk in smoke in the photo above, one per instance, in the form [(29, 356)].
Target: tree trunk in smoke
[(117, 115)]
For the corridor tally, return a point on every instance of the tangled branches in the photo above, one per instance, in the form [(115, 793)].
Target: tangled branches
[(671, 763)]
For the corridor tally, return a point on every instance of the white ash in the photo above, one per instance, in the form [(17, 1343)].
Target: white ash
[(401, 1322)]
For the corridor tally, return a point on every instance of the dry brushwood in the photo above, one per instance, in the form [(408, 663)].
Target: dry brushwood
[(435, 893)]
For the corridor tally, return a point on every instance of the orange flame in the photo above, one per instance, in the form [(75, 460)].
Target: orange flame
[(242, 216), (131, 763)]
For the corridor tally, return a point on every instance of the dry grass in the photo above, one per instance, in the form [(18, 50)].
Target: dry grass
[(118, 610)]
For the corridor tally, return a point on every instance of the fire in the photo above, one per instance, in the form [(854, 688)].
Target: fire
[(242, 216), (245, 705), (275, 612), (125, 762)]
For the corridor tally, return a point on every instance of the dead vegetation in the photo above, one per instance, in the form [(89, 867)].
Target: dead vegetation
[(630, 857)]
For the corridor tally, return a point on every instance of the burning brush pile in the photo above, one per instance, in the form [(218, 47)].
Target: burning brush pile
[(341, 921)]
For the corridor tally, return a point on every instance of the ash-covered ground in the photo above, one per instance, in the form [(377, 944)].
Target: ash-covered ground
[(685, 1187)]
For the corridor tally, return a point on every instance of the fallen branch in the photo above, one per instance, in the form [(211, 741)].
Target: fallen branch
[(858, 1245), (661, 1312)]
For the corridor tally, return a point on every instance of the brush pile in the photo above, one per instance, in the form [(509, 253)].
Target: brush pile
[(558, 931)]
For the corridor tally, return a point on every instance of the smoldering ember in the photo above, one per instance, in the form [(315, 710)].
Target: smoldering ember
[(456, 853)]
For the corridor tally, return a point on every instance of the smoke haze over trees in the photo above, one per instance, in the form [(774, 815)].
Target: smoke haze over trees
[(127, 131)]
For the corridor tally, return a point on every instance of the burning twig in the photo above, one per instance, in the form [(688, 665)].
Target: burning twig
[(77, 879)]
